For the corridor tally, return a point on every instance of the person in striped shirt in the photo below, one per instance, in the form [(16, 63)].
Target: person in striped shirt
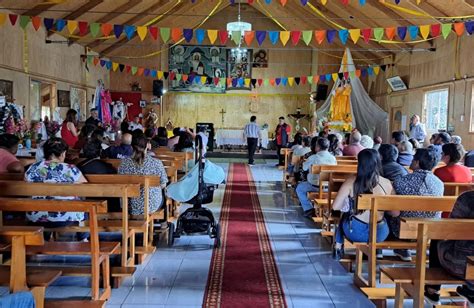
[(252, 133)]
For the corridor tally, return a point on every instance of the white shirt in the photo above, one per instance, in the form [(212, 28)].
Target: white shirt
[(320, 158), (133, 126)]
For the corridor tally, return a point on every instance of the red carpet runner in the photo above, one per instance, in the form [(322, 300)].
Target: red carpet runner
[(243, 272)]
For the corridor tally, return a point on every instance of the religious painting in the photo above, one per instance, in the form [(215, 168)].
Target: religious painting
[(260, 59), (78, 101), (64, 99), (6, 89), (239, 68), (197, 62)]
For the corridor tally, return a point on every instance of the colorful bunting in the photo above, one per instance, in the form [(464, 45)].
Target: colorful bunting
[(106, 29), (212, 35), (223, 36), (142, 32), (153, 32), (94, 29)]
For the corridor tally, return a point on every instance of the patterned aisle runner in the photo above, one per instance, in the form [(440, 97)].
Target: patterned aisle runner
[(243, 271)]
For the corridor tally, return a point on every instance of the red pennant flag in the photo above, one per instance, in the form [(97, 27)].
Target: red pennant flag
[(390, 32), (96, 61), (358, 73), (140, 71), (83, 28), (459, 28), (153, 32), (304, 79), (260, 82), (367, 34), (13, 18), (36, 21), (435, 30), (295, 37), (184, 77), (346, 75), (250, 2), (216, 81), (223, 36), (128, 68), (272, 81), (172, 75), (106, 29), (345, 2)]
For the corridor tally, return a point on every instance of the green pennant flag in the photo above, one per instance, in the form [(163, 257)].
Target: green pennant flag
[(446, 30), (310, 79), (24, 21), (236, 37), (378, 34), (222, 82), (352, 74), (178, 77), (95, 28), (307, 36), (90, 59), (134, 70), (165, 34), (266, 82)]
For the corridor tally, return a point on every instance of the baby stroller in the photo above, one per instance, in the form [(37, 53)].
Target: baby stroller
[(198, 219)]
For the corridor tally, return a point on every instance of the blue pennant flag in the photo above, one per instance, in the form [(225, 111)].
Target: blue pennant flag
[(200, 34)]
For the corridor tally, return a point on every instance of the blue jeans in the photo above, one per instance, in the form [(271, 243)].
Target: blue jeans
[(358, 231), (302, 191)]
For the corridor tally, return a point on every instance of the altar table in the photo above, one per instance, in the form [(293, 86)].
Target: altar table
[(225, 136)]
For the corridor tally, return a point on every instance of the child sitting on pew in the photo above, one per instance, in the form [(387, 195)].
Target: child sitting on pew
[(452, 255), (53, 169)]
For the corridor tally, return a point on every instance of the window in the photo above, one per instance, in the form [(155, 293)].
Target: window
[(436, 109)]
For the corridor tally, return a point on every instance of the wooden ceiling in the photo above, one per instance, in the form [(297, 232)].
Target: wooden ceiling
[(294, 16)]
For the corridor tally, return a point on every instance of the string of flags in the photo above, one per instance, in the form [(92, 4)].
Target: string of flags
[(83, 28), (305, 2), (372, 70)]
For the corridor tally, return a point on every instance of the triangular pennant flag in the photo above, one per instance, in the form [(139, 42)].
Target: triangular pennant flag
[(233, 82), (330, 35), (367, 34), (376, 70), (247, 82), (154, 73), (108, 65), (370, 71), (273, 35), (345, 2), (165, 34), (209, 80), (60, 24), (153, 32), (176, 34), (267, 82), (115, 66), (343, 36), (248, 37), (260, 82), (95, 61), (216, 80), (358, 73), (291, 81), (185, 77), (24, 21), (307, 37), (106, 29), (13, 18), (328, 77), (284, 37), (166, 75), (340, 76), (3, 17), (200, 34), (203, 79), (191, 79), (304, 2), (36, 22), (425, 31), (402, 32), (295, 37), (458, 28), (316, 79), (147, 72), (89, 59), (283, 2), (102, 63), (188, 34), (237, 37), (304, 80), (284, 81), (160, 74), (320, 35), (94, 28), (172, 75), (469, 25), (323, 2), (261, 35), (310, 79), (346, 75), (378, 34), (355, 35), (241, 82), (383, 67), (322, 78), (83, 28), (223, 36), (48, 23), (390, 33), (142, 31), (362, 2), (128, 68), (118, 29), (435, 30), (334, 76), (446, 30), (212, 35), (363, 72), (179, 77), (134, 70), (129, 31), (277, 81), (413, 32), (352, 74), (72, 26)]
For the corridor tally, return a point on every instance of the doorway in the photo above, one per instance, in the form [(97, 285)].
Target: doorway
[(41, 100)]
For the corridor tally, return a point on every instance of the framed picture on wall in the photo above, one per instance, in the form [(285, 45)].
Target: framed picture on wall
[(6, 89), (64, 98), (239, 67), (260, 59)]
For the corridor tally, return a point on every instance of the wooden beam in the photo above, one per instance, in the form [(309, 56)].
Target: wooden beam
[(82, 9), (38, 9)]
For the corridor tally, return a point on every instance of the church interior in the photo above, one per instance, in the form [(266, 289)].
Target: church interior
[(236, 153)]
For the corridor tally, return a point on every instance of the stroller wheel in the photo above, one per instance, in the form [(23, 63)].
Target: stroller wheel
[(170, 234), (217, 236)]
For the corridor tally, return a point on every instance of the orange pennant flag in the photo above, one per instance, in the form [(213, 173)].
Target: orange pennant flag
[(248, 37), (272, 81), (96, 61), (212, 35), (316, 79), (106, 29), (184, 77), (140, 71), (459, 28), (390, 33), (358, 73), (283, 2), (320, 35), (229, 82), (36, 21), (176, 34)]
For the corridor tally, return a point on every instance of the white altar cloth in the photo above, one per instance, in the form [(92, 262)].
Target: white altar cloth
[(226, 136)]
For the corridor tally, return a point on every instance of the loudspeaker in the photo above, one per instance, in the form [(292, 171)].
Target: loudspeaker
[(321, 92), (158, 88)]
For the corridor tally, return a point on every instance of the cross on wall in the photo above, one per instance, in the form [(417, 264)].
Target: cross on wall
[(222, 112)]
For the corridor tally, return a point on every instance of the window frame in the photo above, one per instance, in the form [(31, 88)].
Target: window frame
[(425, 109)]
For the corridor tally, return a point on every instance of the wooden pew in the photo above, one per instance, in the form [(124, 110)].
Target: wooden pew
[(340, 158), (411, 281), (122, 191), (186, 156), (374, 204), (455, 189), (99, 252), (287, 153)]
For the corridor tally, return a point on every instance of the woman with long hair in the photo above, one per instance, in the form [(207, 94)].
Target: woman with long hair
[(69, 128), (142, 164), (354, 223), (8, 148), (334, 145)]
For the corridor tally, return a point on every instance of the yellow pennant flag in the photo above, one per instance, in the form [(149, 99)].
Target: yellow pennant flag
[(324, 2), (212, 35), (376, 70), (335, 76), (425, 31), (72, 26), (160, 74), (203, 79), (247, 82), (291, 81), (355, 35), (142, 32), (284, 37), (115, 66), (3, 17)]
